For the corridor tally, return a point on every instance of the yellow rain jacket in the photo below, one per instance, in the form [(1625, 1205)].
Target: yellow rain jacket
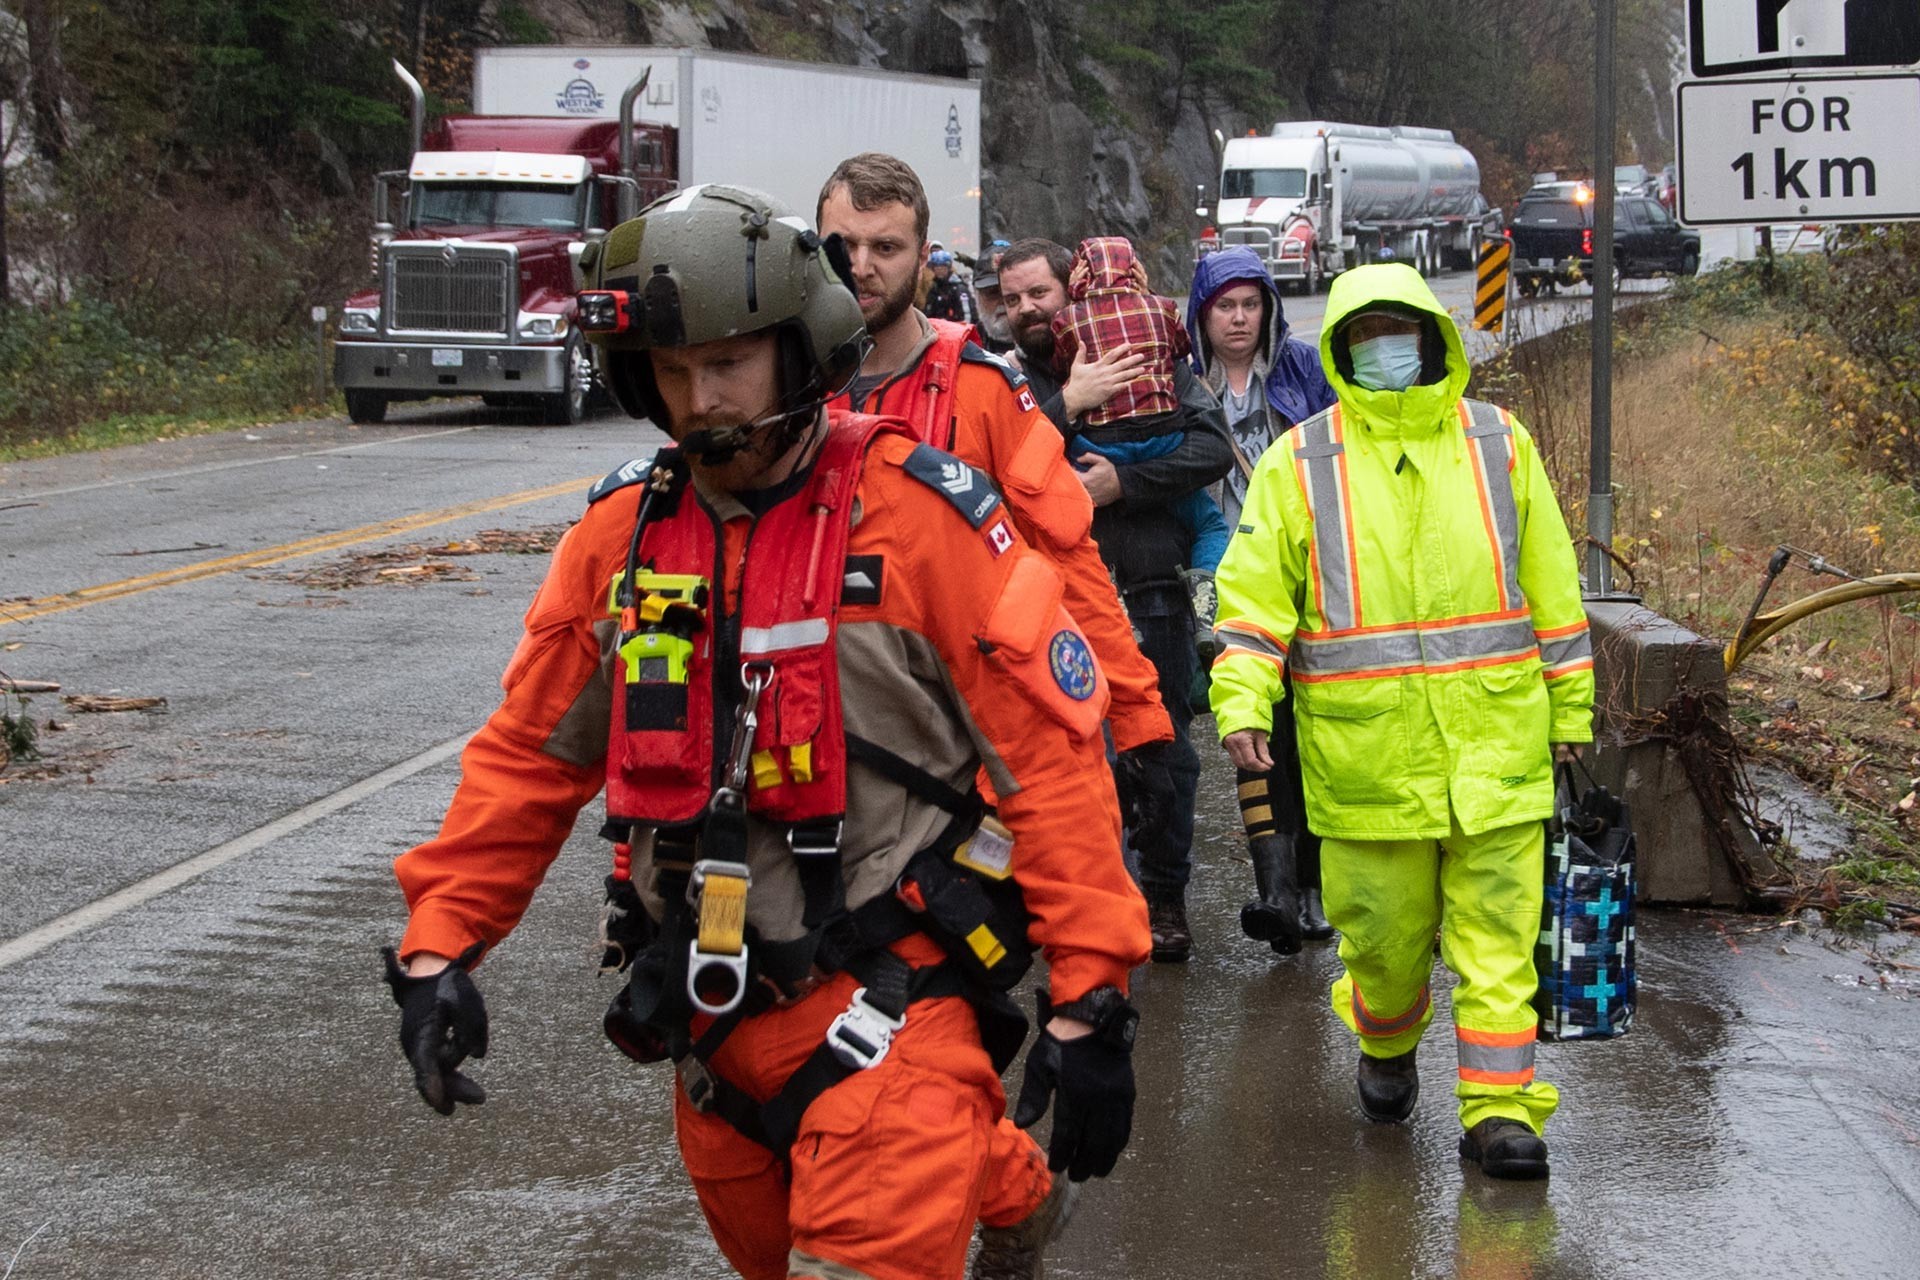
[(1404, 554)]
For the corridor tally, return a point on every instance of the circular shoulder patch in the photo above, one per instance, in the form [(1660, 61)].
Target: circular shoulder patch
[(1072, 665)]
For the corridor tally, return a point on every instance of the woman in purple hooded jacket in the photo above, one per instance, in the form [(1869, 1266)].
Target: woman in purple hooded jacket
[(1268, 382)]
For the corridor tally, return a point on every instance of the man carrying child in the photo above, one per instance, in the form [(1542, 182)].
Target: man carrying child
[(1166, 442)]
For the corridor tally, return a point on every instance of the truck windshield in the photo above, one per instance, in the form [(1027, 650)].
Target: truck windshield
[(498, 204), (1248, 184)]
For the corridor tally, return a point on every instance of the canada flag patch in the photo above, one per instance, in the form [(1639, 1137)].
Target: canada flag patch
[(1000, 538), (1025, 401)]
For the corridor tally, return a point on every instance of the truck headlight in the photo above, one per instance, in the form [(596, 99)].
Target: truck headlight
[(542, 325), (359, 320)]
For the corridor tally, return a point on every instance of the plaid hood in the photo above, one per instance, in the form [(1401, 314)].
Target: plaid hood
[(1101, 263)]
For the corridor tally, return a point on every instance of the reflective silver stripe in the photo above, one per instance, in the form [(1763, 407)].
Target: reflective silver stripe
[(1414, 647), (1574, 648), (785, 635), (1492, 439), (1320, 454), (1371, 1025), (1228, 636), (1498, 1060)]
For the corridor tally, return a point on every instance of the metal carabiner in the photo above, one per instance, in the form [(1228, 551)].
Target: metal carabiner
[(756, 678)]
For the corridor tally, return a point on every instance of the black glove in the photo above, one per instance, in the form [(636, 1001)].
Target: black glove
[(1093, 1080), (443, 1021), (1144, 781)]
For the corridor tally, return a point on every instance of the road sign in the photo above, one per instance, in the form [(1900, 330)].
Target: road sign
[(1819, 148), (1490, 286), (1736, 37)]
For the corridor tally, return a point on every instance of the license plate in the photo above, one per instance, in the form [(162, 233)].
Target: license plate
[(1538, 262), (447, 357)]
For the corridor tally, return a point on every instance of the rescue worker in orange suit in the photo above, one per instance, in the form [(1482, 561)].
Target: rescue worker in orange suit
[(959, 398), (785, 647)]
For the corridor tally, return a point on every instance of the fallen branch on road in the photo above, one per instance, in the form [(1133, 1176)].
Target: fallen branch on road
[(100, 702), (168, 551)]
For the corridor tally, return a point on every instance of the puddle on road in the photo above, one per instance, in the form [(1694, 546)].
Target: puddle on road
[(1811, 827)]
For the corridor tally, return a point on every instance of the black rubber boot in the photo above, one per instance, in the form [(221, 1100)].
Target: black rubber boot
[(1313, 918), (1172, 940), (1388, 1087), (1274, 917), (1505, 1148)]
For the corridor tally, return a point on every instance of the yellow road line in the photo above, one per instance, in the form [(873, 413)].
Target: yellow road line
[(80, 599)]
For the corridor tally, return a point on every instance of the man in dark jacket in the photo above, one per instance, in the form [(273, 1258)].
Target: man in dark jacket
[(948, 299), (1144, 543)]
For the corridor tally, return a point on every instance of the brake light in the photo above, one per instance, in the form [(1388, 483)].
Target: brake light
[(1586, 242), (604, 310)]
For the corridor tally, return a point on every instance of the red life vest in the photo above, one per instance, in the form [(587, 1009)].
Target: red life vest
[(924, 394), (679, 673)]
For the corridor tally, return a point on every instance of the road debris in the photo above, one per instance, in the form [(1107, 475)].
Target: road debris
[(424, 562), (29, 686), (101, 702), (168, 551)]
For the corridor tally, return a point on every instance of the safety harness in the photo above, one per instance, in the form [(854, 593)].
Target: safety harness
[(718, 716)]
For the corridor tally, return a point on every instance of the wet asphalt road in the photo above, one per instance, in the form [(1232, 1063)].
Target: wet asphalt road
[(204, 1082)]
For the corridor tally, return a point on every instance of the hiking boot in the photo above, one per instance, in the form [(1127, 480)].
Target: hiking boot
[(1388, 1087), (1505, 1148), (1313, 918), (1018, 1252), (1172, 940)]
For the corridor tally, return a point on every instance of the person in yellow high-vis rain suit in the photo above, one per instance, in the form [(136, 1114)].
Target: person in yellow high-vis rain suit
[(1403, 554)]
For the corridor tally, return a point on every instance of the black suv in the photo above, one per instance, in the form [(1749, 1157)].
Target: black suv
[(1553, 240)]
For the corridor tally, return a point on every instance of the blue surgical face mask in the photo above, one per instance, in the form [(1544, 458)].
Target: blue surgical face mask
[(1389, 363)]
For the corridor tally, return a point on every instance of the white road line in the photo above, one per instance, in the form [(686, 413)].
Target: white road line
[(99, 912), (236, 463)]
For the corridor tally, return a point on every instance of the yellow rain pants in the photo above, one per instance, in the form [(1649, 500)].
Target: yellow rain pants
[(1483, 893)]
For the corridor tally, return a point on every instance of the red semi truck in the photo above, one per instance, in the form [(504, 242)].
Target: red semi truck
[(474, 280)]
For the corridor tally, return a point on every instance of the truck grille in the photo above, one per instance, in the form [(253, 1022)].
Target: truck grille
[(472, 293)]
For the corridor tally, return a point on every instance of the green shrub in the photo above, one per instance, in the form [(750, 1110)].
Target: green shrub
[(70, 364)]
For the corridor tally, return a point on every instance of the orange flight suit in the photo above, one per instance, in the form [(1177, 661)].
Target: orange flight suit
[(892, 1165)]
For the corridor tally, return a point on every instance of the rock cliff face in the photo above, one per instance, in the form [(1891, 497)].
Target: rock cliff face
[(1052, 165)]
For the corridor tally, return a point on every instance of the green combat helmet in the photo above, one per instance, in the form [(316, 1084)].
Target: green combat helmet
[(714, 262)]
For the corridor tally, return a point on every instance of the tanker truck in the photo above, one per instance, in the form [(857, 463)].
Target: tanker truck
[(1314, 198)]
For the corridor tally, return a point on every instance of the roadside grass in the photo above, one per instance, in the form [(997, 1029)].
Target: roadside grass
[(79, 376), (1731, 438), (143, 428)]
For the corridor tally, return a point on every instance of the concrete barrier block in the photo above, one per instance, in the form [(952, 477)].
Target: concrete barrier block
[(1642, 663)]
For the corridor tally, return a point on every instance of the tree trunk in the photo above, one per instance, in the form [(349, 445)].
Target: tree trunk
[(6, 283), (46, 77), (1320, 61), (420, 36)]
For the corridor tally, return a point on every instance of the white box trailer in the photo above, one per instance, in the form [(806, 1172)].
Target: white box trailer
[(761, 122)]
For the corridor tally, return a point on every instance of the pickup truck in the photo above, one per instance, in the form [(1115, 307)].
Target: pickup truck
[(1553, 239)]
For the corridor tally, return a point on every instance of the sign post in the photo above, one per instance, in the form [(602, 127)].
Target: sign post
[(319, 317), (1600, 414)]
